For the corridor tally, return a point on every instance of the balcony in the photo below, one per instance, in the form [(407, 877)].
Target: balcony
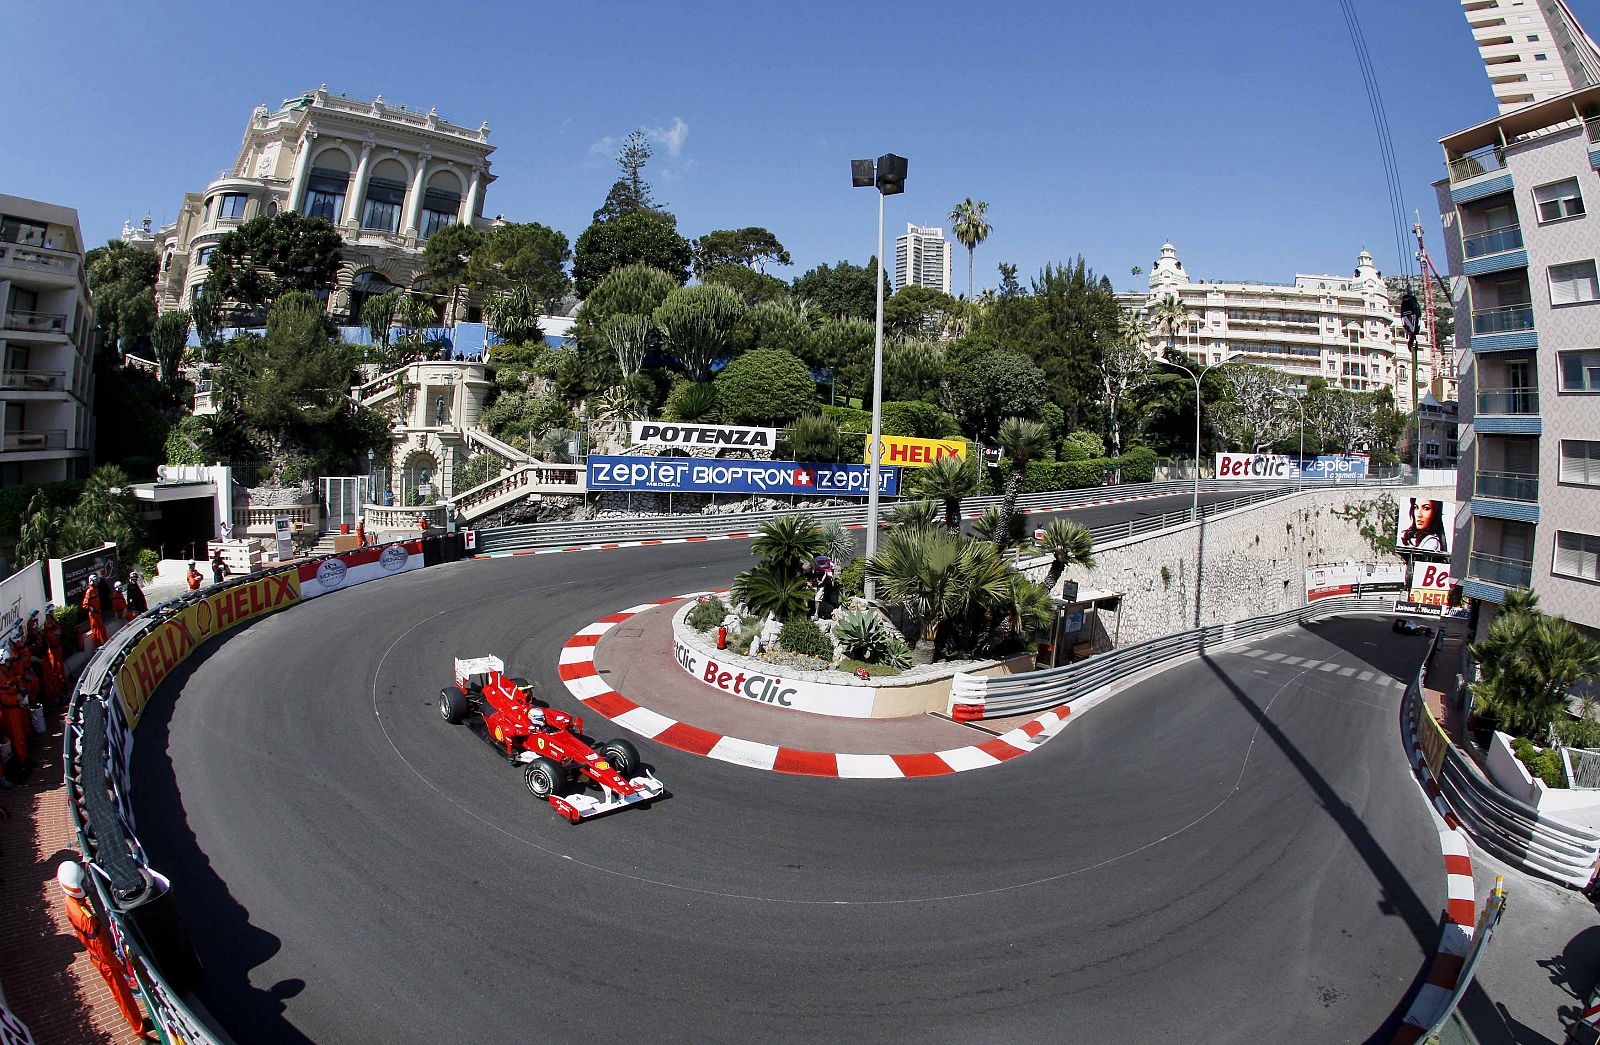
[(1493, 241), (1503, 320), (1508, 573), (36, 322), (1507, 486), (1508, 411), (1478, 174), (32, 381), (39, 259), (24, 441)]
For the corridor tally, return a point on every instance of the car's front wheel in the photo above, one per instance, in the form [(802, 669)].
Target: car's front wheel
[(622, 755), (544, 777), (452, 705)]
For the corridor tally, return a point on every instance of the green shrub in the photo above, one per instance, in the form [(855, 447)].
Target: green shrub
[(1082, 445), (148, 561), (1546, 764), (690, 403), (853, 579), (1138, 465), (849, 418), (68, 617), (708, 614), (802, 635), (916, 419), (1582, 732), (766, 386)]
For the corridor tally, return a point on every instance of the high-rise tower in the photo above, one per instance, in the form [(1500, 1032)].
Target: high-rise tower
[(1531, 49)]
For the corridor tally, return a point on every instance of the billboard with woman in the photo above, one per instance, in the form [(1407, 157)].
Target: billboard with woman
[(1425, 525)]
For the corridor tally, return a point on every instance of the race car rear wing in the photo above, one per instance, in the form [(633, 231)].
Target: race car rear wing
[(467, 667)]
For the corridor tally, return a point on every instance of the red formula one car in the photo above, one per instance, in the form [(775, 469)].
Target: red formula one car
[(558, 760)]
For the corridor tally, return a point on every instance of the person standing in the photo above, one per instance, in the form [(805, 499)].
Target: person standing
[(137, 603), (55, 660), (13, 709), (119, 602), (91, 607), (193, 578), (361, 531), (219, 569), (97, 941)]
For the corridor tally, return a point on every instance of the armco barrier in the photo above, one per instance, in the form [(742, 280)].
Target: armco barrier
[(532, 536), (1004, 695), (106, 705)]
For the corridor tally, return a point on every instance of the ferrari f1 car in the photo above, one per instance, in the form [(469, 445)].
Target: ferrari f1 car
[(558, 761)]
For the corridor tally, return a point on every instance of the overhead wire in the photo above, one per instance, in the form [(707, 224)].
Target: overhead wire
[(1380, 121)]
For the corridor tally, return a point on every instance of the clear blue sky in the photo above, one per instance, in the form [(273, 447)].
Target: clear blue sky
[(1246, 137)]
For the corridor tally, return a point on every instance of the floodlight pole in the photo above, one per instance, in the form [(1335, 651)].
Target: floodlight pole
[(874, 447)]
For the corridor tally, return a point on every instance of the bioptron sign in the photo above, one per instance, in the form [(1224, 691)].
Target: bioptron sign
[(699, 475)]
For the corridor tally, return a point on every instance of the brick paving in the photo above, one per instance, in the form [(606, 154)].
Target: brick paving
[(48, 979)]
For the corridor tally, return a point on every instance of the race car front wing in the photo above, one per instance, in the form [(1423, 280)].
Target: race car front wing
[(582, 806)]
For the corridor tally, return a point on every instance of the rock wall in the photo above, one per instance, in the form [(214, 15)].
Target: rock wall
[(1247, 563)]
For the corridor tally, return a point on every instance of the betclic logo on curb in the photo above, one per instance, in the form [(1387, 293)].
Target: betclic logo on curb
[(763, 689)]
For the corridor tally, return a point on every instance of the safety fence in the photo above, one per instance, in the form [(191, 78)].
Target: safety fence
[(998, 696), (532, 536), (107, 703), (1508, 827)]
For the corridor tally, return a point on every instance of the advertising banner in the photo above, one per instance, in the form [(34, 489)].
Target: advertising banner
[(776, 691), (1280, 466), (695, 475), (1425, 525), (915, 453), (69, 576), (1354, 578), (358, 567), (169, 643), (671, 433), (21, 594), (1430, 589)]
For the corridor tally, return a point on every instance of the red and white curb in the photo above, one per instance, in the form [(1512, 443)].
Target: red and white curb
[(608, 546), (582, 679), (1444, 976)]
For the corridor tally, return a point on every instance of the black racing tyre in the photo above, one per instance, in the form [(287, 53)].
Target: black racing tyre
[(622, 755), (452, 705), (544, 777)]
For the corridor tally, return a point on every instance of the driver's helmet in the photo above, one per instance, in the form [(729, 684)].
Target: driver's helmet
[(121, 587), (535, 715)]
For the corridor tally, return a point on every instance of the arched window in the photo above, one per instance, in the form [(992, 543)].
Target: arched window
[(327, 185), (441, 203), (363, 288), (386, 195)]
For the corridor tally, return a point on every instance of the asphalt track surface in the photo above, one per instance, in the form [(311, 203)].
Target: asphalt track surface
[(1233, 850)]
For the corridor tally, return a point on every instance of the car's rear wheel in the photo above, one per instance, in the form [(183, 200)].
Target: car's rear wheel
[(622, 755), (544, 777), (452, 705)]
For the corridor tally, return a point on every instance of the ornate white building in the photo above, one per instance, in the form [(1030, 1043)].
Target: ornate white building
[(385, 176), (1340, 328)]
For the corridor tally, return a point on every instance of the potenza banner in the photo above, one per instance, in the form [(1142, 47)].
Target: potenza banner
[(693, 475), (1353, 578), (358, 567), (1425, 525), (1430, 589), (915, 453), (673, 434), (1279, 466), (169, 643)]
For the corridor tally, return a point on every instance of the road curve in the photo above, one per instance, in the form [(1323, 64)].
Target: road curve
[(1232, 850)]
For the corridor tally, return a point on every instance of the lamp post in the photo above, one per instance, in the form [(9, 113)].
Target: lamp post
[(1411, 319), (889, 177), (1194, 504), (1300, 469)]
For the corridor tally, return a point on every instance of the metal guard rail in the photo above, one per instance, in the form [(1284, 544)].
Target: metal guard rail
[(975, 697), (530, 536)]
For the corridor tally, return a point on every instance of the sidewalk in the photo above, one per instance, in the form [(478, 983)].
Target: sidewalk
[(50, 983)]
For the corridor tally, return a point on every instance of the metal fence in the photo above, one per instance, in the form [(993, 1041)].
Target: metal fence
[(999, 696), (1583, 767)]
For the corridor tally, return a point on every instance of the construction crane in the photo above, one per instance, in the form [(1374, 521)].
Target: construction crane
[(1435, 351)]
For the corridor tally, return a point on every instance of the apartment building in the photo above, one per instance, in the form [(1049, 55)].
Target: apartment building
[(46, 344), (1515, 213), (1532, 50), (387, 177), (922, 259), (1339, 328)]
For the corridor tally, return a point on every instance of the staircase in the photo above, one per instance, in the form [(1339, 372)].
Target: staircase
[(482, 440), (537, 477), (379, 388)]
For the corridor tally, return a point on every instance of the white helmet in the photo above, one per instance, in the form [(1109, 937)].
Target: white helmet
[(94, 578), (120, 586), (5, 654), (70, 877), (49, 609)]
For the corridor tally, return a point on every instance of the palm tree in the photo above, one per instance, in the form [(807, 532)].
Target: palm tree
[(1170, 314), (515, 315), (789, 543), (1528, 664), (920, 514), (949, 479), (936, 576), (1069, 544), (985, 526), (967, 223), (1021, 441)]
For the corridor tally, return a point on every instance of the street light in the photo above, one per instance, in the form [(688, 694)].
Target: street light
[(1194, 504), (889, 177), (1300, 469)]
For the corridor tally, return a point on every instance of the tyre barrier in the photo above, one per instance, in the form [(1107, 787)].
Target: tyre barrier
[(979, 697), (531, 536), (103, 714)]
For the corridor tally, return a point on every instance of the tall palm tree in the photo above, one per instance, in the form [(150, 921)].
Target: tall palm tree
[(789, 543), (515, 315), (1021, 442), (1069, 544), (1170, 314), (966, 219), (949, 479)]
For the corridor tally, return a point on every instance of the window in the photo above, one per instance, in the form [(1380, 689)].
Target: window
[(1577, 555), (1574, 283), (1580, 371), (1559, 200), (325, 191), (384, 198), (27, 233), (232, 205), (1580, 462), (1539, 58), (202, 257), (1547, 76)]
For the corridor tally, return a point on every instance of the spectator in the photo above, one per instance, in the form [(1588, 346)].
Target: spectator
[(227, 531), (97, 941), (219, 569), (193, 578), (388, 498), (119, 602), (13, 707), (137, 603), (422, 523)]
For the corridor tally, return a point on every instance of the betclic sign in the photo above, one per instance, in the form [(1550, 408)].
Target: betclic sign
[(773, 690), (1281, 466), (670, 433), (906, 452)]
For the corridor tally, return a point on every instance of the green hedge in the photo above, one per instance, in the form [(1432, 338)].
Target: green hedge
[(916, 419), (1138, 466), (849, 418)]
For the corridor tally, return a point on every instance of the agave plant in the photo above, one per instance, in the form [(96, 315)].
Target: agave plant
[(862, 635)]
